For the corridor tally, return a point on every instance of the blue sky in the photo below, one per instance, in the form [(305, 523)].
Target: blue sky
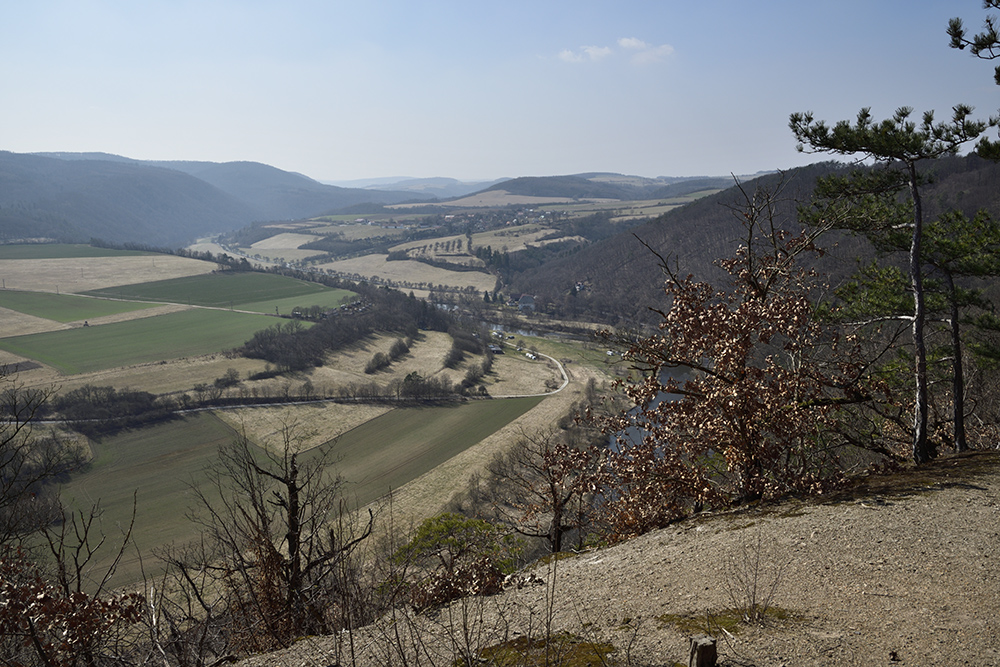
[(472, 90)]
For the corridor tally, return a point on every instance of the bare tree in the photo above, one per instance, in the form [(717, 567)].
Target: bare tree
[(28, 460), (273, 542), (544, 486)]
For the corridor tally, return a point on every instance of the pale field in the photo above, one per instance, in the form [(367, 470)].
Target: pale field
[(308, 426), (291, 225), (412, 272), (134, 314), (514, 374), (313, 425), (426, 357), (354, 232), (284, 241), (80, 274), (175, 376), (15, 323)]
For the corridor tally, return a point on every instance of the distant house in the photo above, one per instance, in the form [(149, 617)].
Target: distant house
[(526, 302)]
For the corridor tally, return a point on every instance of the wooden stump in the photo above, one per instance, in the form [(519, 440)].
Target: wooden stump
[(703, 653)]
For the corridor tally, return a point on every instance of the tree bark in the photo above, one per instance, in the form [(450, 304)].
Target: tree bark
[(703, 652), (957, 376), (921, 450)]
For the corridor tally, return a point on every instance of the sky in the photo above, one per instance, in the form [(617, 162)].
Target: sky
[(472, 90)]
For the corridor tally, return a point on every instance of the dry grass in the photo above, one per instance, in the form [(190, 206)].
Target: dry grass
[(516, 375), (79, 274), (313, 425), (14, 323), (134, 314), (156, 377), (284, 241)]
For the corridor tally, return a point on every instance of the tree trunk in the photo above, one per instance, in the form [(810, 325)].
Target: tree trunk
[(703, 652), (957, 377), (921, 450)]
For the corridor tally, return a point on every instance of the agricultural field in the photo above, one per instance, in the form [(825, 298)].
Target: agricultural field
[(158, 465), (78, 274), (181, 334), (162, 327), (408, 272), (124, 323), (65, 308), (626, 210), (284, 240), (228, 290)]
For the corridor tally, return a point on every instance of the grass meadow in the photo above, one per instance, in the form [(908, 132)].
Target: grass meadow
[(170, 336), (65, 307), (156, 466), (391, 450)]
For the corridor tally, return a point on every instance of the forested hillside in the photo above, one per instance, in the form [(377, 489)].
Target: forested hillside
[(42, 197), (615, 280)]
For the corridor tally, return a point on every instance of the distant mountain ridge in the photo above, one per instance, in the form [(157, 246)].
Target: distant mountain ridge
[(600, 185), (439, 187), (79, 196)]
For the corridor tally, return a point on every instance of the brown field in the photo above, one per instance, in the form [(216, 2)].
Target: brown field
[(134, 314), (515, 375), (312, 425), (411, 272), (178, 375), (80, 274), (14, 323), (426, 357), (284, 241)]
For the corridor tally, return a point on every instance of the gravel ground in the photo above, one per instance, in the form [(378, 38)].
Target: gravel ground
[(897, 570)]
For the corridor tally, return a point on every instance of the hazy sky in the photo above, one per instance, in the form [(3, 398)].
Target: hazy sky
[(471, 89)]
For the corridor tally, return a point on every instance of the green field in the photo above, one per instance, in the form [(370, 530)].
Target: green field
[(157, 465), (171, 336), (160, 463), (225, 290), (64, 307), (420, 439), (61, 251), (329, 298)]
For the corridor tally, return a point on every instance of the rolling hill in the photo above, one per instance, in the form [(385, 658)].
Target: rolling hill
[(78, 196)]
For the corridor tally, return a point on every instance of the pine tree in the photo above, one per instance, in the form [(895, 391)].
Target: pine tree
[(900, 145)]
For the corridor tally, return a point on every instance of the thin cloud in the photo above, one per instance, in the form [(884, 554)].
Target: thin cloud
[(653, 54), (632, 44), (568, 56), (642, 53), (591, 53), (597, 52)]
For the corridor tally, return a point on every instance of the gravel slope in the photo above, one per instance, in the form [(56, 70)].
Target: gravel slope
[(897, 570)]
